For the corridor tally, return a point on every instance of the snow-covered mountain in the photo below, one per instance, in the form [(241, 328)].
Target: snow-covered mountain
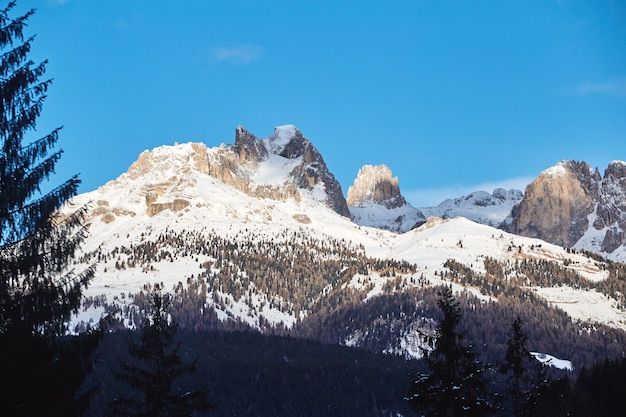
[(480, 206), (572, 205), (375, 200), (260, 226)]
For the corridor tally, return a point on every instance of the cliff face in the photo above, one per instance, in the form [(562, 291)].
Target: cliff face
[(572, 205), (375, 184), (248, 147), (375, 200), (611, 207), (288, 142)]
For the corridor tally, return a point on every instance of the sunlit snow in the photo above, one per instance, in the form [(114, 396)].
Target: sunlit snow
[(221, 209)]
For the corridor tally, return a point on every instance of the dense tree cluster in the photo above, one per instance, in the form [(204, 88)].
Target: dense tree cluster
[(248, 373), (456, 383), (294, 274)]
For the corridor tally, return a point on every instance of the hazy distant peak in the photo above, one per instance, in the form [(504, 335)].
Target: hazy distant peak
[(479, 206)]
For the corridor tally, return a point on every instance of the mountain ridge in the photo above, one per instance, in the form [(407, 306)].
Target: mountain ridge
[(257, 238)]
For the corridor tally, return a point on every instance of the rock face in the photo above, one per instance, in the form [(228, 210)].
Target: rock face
[(240, 165), (375, 200), (611, 207), (572, 205), (375, 184), (248, 147), (288, 142)]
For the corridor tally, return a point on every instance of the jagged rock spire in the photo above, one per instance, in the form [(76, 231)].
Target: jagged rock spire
[(375, 184), (248, 147)]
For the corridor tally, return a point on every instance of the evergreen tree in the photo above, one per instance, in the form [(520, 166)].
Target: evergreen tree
[(455, 384), (520, 394), (40, 369), (156, 365)]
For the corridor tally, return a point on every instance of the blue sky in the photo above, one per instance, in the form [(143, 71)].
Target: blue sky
[(454, 96)]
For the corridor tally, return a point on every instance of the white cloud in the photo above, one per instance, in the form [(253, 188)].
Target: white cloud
[(244, 54), (428, 197), (614, 87)]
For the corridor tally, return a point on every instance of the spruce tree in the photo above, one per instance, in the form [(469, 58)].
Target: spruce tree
[(527, 388), (155, 365), (518, 366), (454, 384), (40, 369)]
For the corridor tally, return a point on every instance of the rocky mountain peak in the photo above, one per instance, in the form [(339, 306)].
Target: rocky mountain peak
[(375, 201), (375, 184), (611, 207), (288, 142), (556, 204), (571, 205), (616, 171), (248, 147)]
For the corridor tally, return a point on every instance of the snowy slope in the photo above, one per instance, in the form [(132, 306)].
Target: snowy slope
[(170, 189), (479, 206), (593, 238), (396, 219)]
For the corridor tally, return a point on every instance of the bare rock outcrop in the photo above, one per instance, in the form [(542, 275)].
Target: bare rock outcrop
[(556, 204), (313, 170), (375, 200), (567, 201), (375, 184), (248, 147), (176, 205)]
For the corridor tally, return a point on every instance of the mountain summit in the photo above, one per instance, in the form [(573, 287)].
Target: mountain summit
[(572, 205), (375, 200), (375, 184), (284, 166), (302, 165)]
